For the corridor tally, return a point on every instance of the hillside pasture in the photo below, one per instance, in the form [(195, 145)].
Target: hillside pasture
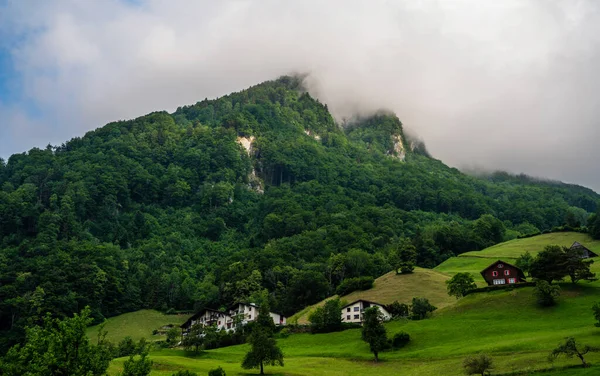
[(390, 287), (136, 325)]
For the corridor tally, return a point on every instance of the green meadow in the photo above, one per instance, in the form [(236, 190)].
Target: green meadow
[(507, 325)]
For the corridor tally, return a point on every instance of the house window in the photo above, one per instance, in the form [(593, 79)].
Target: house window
[(499, 281), (511, 280), (347, 317), (494, 274), (507, 272), (356, 317), (500, 266), (356, 309), (348, 309), (249, 317), (219, 323)]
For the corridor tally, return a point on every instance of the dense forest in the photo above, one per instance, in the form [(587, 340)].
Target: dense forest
[(220, 200)]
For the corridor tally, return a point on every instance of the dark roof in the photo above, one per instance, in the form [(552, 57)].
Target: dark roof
[(521, 274), (362, 300), (198, 314), (578, 245)]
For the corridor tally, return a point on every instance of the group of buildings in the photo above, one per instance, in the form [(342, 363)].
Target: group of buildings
[(498, 273)]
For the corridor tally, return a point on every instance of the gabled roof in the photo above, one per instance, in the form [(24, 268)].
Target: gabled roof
[(362, 300), (233, 307), (578, 245), (520, 272), (198, 314)]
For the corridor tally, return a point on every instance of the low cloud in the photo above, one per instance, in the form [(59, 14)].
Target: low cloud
[(497, 85)]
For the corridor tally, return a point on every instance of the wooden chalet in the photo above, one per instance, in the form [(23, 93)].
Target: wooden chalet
[(585, 253), (502, 273)]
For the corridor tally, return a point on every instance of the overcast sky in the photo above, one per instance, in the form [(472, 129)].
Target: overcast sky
[(511, 84)]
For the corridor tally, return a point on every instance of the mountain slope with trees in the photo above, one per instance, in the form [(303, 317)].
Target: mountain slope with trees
[(221, 200)]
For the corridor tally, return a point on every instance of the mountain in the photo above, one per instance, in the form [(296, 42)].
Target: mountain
[(260, 189)]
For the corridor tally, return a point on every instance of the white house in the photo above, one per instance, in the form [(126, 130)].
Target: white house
[(244, 312), (353, 312), (250, 313)]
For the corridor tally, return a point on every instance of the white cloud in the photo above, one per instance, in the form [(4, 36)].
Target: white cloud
[(500, 84)]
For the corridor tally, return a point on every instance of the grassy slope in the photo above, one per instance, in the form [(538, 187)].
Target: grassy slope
[(137, 325), (390, 287), (508, 325), (474, 262)]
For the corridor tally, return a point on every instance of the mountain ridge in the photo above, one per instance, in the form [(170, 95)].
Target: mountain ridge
[(172, 211)]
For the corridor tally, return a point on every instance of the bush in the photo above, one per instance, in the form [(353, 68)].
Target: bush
[(398, 309), (284, 333), (400, 340), (217, 372), (420, 308), (349, 285), (546, 293), (477, 364), (126, 347), (327, 318)]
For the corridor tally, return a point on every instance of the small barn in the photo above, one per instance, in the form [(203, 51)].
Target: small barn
[(585, 253), (502, 273)]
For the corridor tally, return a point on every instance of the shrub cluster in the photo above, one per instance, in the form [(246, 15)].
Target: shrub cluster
[(349, 285)]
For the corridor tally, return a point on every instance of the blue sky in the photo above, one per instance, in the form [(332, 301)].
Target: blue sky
[(487, 85)]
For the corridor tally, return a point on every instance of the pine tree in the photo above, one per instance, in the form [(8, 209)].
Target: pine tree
[(264, 348)]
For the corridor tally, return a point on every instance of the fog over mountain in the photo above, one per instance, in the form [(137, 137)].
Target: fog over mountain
[(491, 85)]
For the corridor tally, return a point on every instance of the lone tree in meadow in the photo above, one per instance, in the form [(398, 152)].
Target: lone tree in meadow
[(478, 364), (373, 331), (546, 293), (420, 308), (570, 349), (263, 347), (459, 284)]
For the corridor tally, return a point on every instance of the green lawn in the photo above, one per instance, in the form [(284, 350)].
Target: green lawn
[(137, 325), (507, 325)]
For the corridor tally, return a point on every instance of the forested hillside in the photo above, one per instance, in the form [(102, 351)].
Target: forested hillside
[(256, 190)]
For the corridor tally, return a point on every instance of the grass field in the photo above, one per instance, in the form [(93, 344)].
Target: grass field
[(507, 325), (475, 262), (137, 325), (389, 287)]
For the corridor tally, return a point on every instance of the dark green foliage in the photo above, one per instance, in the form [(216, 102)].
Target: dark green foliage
[(420, 308), (397, 309), (153, 212), (524, 262), (556, 262), (59, 348), (460, 284), (546, 293), (263, 347), (400, 340), (373, 331), (478, 364), (327, 318), (194, 339), (126, 347), (173, 336), (349, 285), (570, 348), (403, 256), (137, 365), (596, 311), (217, 372)]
